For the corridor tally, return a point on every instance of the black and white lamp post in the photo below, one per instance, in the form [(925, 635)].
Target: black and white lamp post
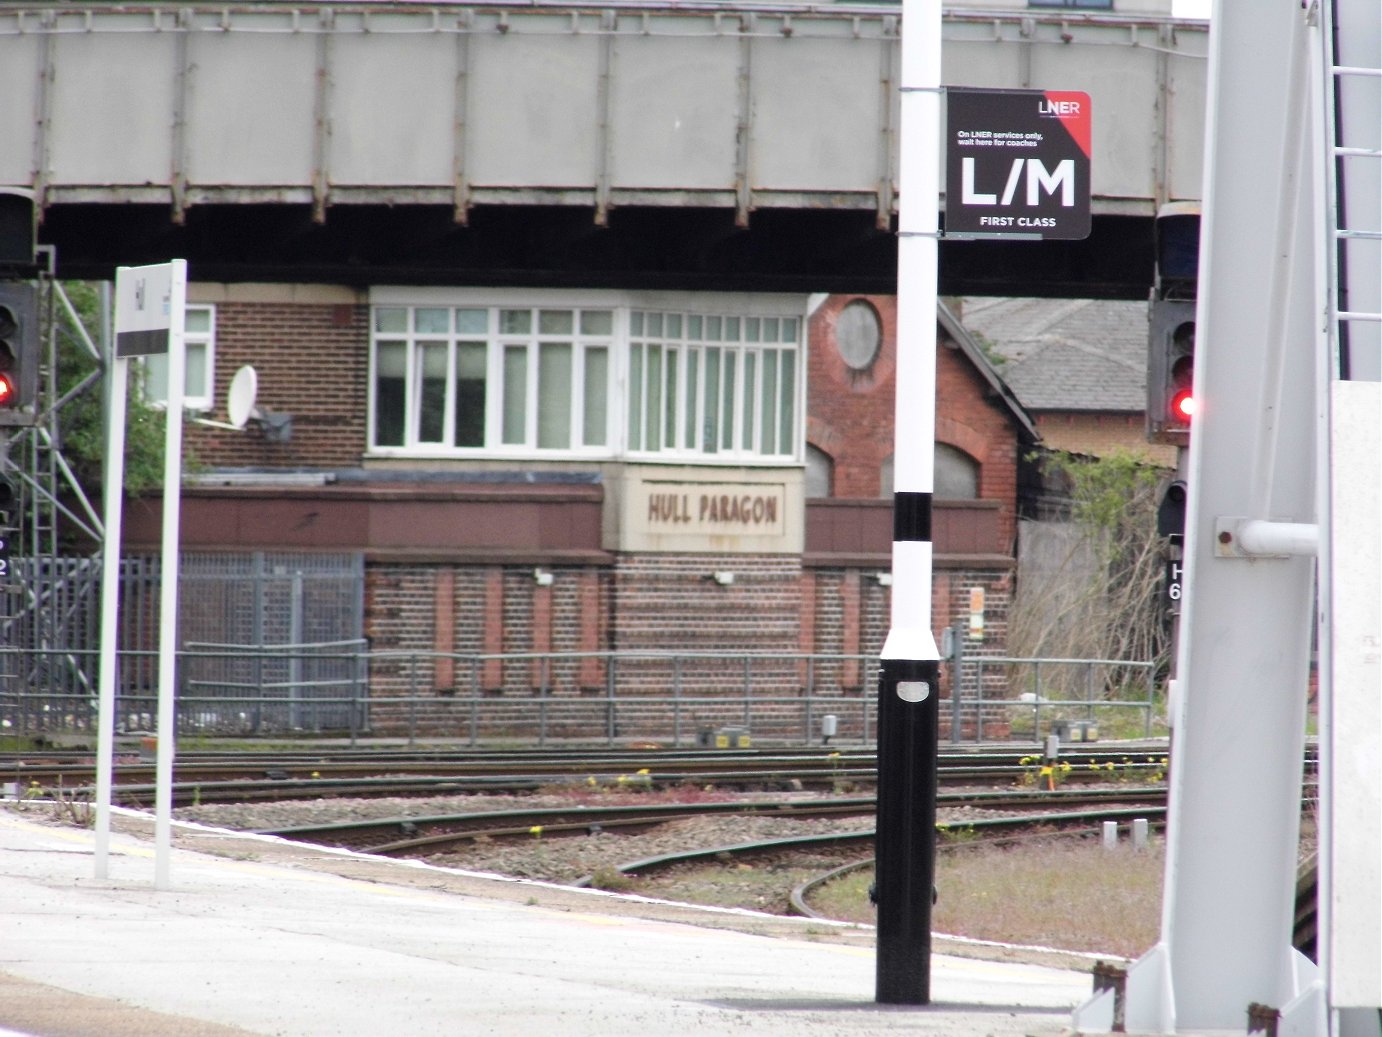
[(907, 684)]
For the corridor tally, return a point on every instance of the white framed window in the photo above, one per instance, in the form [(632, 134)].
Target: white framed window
[(700, 378), (713, 385), (484, 378), (199, 337)]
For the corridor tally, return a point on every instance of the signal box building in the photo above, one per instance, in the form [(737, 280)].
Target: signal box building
[(540, 471)]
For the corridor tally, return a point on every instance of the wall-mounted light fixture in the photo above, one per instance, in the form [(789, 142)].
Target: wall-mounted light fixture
[(723, 577), (884, 579), (543, 578)]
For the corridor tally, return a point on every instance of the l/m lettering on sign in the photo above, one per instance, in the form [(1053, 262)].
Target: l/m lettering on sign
[(1038, 178)]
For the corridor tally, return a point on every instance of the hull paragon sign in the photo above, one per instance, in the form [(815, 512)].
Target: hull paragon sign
[(726, 509), (1017, 164)]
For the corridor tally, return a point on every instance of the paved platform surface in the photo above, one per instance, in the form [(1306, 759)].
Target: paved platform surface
[(259, 936)]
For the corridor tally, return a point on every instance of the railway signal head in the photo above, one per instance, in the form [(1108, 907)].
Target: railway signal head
[(1171, 402), (1170, 512), (19, 347)]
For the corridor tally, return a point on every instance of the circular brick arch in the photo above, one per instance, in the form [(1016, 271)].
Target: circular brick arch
[(962, 437)]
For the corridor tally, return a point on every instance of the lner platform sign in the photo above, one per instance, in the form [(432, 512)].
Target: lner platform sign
[(1017, 164)]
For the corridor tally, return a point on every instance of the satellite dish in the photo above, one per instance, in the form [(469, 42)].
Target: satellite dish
[(244, 387), (240, 408)]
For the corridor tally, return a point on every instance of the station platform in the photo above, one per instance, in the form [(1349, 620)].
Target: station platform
[(260, 936)]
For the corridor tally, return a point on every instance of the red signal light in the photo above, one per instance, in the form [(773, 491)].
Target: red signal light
[(9, 391), (1183, 405)]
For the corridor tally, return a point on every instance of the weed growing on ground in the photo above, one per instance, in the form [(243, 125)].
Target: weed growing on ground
[(1042, 773), (611, 880), (956, 835), (65, 806)]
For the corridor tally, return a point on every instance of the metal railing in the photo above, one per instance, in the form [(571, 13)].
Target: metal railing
[(1084, 690), (650, 694), (343, 689)]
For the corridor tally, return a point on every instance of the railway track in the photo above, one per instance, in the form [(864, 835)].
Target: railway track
[(1077, 820), (230, 778), (425, 836)]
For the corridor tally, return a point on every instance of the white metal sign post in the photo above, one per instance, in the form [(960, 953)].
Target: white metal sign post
[(150, 304)]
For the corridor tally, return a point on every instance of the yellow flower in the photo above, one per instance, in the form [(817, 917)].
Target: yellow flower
[(535, 830), (643, 770), (1046, 772), (1066, 768), (1109, 766)]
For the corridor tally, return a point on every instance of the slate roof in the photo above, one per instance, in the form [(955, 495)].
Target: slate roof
[(1066, 354)]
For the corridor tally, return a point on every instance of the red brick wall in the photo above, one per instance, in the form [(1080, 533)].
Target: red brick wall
[(668, 602), (483, 610), (850, 413), (656, 604), (312, 362), (850, 616)]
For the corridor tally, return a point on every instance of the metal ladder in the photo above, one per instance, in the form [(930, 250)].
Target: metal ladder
[(1351, 85)]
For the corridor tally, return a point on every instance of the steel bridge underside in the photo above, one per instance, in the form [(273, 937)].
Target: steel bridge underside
[(735, 145), (780, 249)]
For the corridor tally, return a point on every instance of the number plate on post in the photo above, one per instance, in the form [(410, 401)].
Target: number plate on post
[(1175, 574)]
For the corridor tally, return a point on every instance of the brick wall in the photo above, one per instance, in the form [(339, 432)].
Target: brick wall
[(313, 363), (968, 419), (1098, 434), (850, 412), (669, 602), (656, 604)]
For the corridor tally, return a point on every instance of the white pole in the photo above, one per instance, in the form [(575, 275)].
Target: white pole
[(168, 588), (910, 637), (114, 478)]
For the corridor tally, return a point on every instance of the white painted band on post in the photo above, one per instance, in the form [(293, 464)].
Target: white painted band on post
[(1260, 537), (909, 634)]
